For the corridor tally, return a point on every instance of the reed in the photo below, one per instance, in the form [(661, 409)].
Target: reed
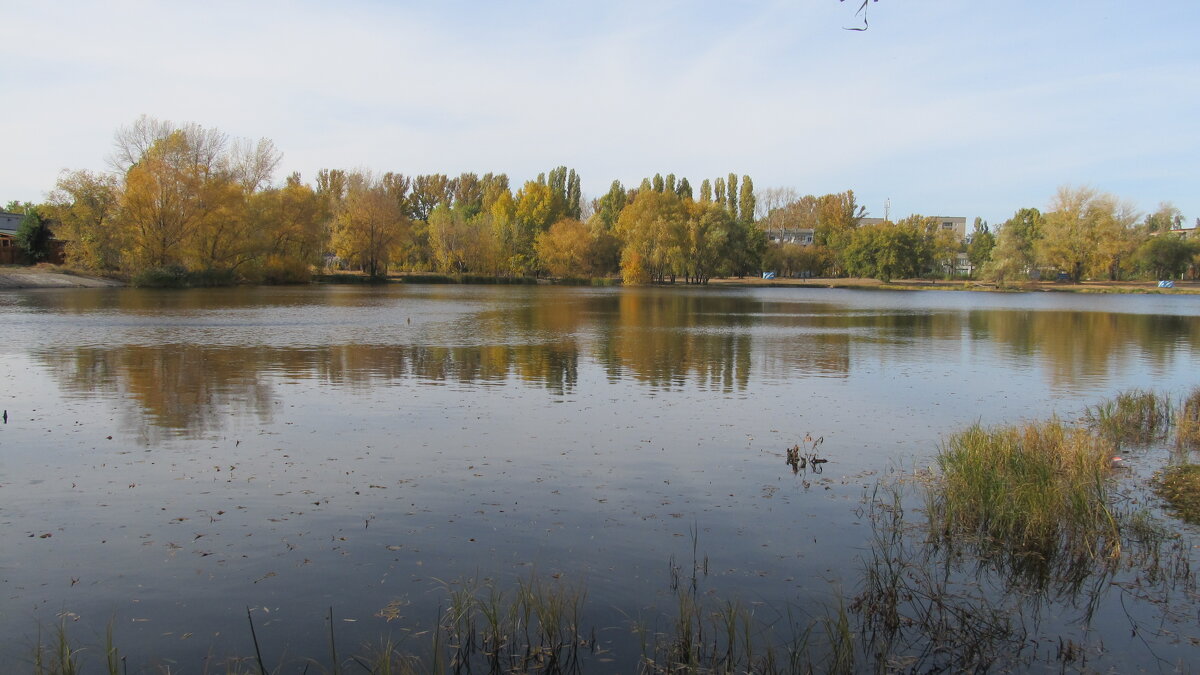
[(1179, 486), (1038, 489), (1187, 421), (1134, 416)]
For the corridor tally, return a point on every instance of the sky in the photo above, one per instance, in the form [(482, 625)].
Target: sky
[(971, 109)]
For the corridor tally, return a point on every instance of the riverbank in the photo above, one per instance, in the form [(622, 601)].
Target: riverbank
[(19, 277), (1181, 287), (45, 276)]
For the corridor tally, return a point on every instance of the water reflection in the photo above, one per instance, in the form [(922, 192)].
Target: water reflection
[(187, 361)]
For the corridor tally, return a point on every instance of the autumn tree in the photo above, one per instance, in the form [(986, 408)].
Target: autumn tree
[(645, 226), (369, 227), (85, 204), (706, 193), (1086, 232), (169, 193), (704, 242), (293, 220), (450, 238), (537, 207), (565, 250)]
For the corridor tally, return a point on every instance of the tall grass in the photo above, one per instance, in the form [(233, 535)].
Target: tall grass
[(1179, 486), (1037, 489), (1187, 421), (1134, 416)]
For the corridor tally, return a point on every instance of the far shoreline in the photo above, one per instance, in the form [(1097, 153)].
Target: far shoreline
[(26, 278)]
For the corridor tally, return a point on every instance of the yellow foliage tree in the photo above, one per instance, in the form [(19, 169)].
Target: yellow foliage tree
[(369, 227), (565, 249)]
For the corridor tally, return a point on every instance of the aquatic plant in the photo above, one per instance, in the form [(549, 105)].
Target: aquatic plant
[(1179, 486), (1134, 416), (1187, 421), (1037, 491)]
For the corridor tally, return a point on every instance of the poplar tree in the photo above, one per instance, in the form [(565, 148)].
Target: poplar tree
[(746, 201), (731, 194), (574, 195), (705, 191), (659, 184), (684, 189), (719, 191)]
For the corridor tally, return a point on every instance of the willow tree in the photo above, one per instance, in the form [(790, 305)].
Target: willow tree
[(645, 226), (1087, 231)]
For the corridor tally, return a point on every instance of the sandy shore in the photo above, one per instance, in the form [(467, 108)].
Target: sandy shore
[(38, 277)]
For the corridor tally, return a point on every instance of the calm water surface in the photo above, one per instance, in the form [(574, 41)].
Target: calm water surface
[(172, 458)]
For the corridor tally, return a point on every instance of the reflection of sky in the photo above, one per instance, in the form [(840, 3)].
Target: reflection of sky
[(520, 429)]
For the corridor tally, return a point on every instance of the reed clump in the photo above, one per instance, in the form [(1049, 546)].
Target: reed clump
[(1179, 486), (1036, 491), (1187, 421), (1135, 416)]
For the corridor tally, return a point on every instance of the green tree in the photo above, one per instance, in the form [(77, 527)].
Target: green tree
[(1167, 256), (1015, 253), (706, 194), (703, 243), (609, 206), (574, 207), (887, 251), (980, 245), (731, 194), (427, 192), (34, 235), (1166, 218), (746, 201), (684, 188), (658, 184)]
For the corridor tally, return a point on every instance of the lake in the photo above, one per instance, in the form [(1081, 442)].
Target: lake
[(172, 458)]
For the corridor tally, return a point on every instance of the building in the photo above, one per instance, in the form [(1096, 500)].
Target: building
[(786, 235), (804, 235), (10, 253)]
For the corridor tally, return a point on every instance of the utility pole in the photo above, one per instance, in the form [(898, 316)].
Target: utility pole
[(887, 209)]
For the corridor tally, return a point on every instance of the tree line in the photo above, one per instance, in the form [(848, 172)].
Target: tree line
[(184, 201)]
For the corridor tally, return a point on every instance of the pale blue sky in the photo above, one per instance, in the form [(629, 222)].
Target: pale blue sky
[(948, 108)]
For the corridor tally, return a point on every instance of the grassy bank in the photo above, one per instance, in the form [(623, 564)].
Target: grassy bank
[(1119, 287)]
